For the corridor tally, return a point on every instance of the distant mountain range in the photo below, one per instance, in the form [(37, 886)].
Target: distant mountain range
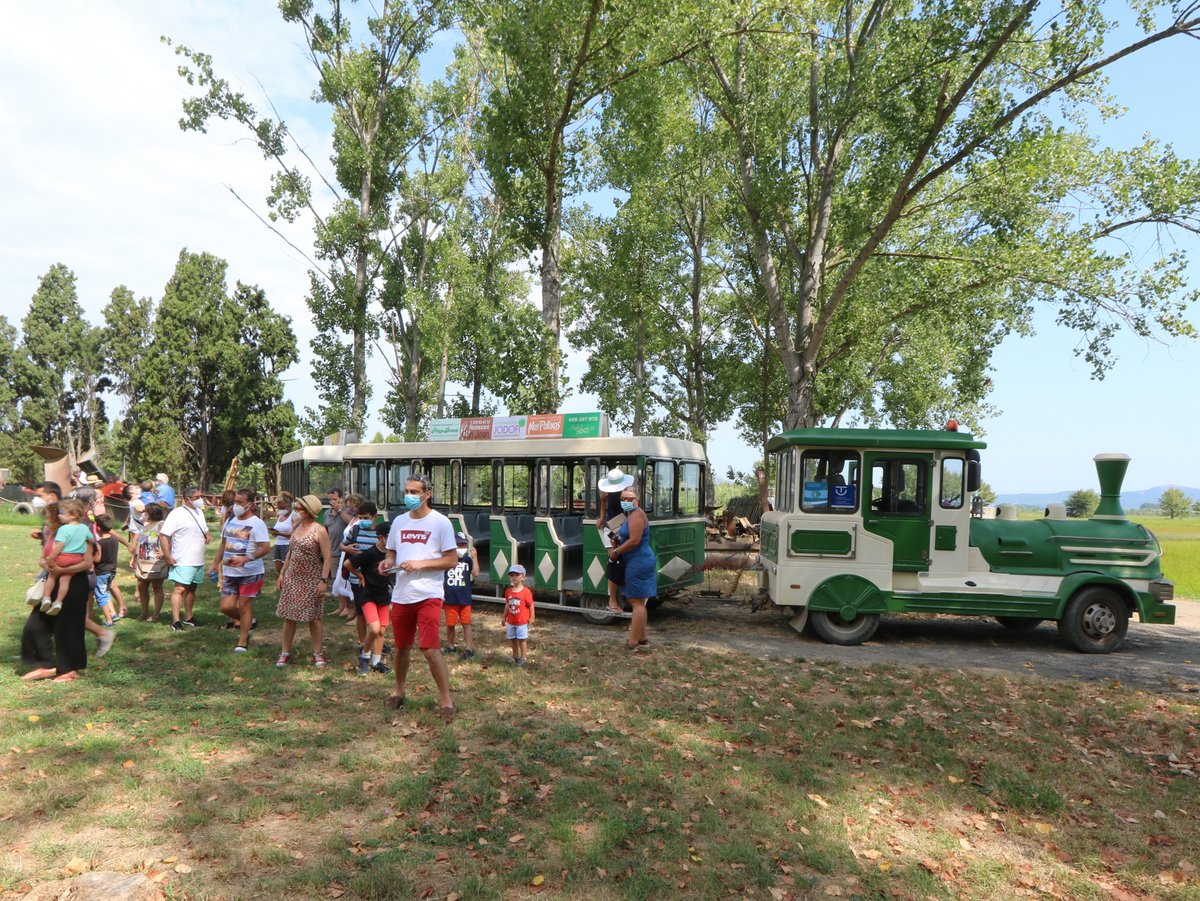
[(1130, 500)]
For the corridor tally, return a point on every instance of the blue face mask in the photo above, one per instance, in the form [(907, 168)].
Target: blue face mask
[(412, 501), (628, 506)]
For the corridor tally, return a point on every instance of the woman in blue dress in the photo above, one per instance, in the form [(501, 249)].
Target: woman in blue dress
[(641, 566)]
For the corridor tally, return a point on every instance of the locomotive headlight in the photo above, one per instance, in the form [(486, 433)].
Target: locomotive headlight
[(1162, 590)]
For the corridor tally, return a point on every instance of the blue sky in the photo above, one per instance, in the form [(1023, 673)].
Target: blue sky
[(96, 174)]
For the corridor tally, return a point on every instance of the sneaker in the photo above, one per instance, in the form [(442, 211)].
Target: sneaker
[(177, 626), (55, 609), (520, 661), (388, 650), (104, 642), (189, 623), (240, 649), (364, 665), (253, 624), (468, 653), (382, 668), (45, 603), (319, 660), (449, 649), (282, 660)]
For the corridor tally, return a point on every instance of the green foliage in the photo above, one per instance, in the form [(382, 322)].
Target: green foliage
[(1174, 503), (208, 386), (1082, 503)]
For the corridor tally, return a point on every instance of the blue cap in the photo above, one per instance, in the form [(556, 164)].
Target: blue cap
[(516, 568), (461, 538)]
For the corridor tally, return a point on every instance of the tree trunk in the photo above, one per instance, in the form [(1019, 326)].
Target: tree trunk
[(552, 279), (358, 339)]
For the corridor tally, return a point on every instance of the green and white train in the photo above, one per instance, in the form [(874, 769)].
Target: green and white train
[(533, 501), (873, 521)]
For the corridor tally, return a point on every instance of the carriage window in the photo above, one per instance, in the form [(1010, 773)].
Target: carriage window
[(368, 482), (690, 489), (322, 477), (659, 496), (898, 486), (829, 480), (785, 481), (951, 494), (445, 491), (515, 489), (397, 479), (555, 493), (477, 485)]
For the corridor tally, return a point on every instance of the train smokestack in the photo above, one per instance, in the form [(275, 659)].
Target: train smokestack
[(1110, 468)]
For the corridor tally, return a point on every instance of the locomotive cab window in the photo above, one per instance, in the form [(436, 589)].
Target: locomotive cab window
[(829, 481), (950, 494), (899, 487)]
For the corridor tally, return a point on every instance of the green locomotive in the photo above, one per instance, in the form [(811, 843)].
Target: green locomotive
[(875, 521)]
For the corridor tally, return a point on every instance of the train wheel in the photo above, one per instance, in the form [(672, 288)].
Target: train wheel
[(1019, 623), (836, 630), (1095, 621), (594, 608)]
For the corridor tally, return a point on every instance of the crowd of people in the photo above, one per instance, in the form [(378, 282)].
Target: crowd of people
[(412, 575)]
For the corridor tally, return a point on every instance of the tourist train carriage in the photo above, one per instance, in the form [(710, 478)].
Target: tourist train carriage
[(529, 496)]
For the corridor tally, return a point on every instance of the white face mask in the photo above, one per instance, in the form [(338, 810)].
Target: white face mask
[(239, 510), (198, 503)]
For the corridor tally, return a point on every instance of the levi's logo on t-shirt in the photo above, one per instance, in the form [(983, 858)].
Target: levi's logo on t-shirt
[(414, 536)]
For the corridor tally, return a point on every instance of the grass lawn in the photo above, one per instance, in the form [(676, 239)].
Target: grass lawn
[(592, 774)]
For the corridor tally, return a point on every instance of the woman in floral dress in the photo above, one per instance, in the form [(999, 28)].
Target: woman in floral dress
[(304, 580)]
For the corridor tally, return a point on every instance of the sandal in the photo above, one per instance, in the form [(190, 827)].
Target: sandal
[(448, 714), (643, 642), (615, 611), (395, 702), (631, 646)]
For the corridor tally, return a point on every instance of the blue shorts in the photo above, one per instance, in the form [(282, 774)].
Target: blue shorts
[(518, 633), (102, 582), (186, 575)]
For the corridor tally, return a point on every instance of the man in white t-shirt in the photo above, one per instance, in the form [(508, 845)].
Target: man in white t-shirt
[(420, 548), (244, 542), (187, 534)]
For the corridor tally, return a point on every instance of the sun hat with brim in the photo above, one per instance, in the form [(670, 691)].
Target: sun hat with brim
[(614, 481), (311, 503)]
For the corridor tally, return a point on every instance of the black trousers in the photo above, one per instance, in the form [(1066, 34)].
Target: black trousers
[(58, 641)]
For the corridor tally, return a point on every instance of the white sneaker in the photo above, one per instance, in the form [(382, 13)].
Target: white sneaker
[(54, 610)]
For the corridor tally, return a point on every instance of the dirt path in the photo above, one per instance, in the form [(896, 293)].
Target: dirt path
[(1159, 659)]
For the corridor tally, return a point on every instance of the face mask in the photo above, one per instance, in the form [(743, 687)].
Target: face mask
[(239, 510), (628, 506), (462, 552), (412, 501), (198, 503)]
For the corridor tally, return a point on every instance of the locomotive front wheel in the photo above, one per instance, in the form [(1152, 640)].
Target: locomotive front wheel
[(1019, 623), (833, 628), (1095, 621)]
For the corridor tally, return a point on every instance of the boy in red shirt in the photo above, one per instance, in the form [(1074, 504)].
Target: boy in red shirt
[(518, 613)]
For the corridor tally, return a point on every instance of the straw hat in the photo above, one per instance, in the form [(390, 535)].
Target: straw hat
[(615, 481), (311, 503)]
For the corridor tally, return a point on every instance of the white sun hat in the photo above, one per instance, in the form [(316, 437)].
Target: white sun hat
[(615, 481)]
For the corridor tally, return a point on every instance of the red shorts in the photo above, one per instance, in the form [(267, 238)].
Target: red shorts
[(458, 615), (69, 560), (421, 619), (374, 612)]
